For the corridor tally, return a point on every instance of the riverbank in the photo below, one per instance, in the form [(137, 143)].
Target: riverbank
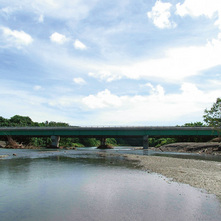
[(213, 148), (197, 173)]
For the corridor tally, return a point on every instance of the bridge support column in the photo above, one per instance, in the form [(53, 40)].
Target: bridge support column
[(55, 141), (103, 141), (145, 142)]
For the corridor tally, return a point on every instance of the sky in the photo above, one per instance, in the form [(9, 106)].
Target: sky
[(110, 63)]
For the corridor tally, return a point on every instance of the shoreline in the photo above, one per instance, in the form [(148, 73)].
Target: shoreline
[(211, 148), (197, 173)]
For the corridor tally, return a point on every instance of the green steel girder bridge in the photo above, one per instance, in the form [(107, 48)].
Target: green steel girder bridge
[(105, 132)]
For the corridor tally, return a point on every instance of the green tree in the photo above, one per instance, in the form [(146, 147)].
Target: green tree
[(20, 121), (89, 142), (212, 117), (56, 124), (111, 141), (4, 122), (195, 124)]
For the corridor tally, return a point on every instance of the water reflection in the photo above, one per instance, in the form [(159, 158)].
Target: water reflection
[(90, 187)]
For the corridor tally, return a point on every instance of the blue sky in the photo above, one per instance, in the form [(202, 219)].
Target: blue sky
[(100, 62)]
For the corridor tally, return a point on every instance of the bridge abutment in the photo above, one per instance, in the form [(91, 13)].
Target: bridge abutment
[(55, 141), (145, 142)]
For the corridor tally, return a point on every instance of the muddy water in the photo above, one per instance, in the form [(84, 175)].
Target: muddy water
[(83, 185)]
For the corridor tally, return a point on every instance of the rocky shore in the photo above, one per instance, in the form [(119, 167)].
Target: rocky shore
[(192, 147)]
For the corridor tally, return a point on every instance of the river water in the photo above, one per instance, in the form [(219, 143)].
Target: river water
[(83, 185)]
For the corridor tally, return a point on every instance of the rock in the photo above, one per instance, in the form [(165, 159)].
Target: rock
[(3, 156), (14, 154), (106, 146), (217, 139), (2, 144)]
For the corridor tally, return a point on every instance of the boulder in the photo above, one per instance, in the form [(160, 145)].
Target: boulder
[(106, 146)]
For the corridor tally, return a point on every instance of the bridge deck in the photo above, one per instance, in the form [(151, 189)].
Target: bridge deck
[(108, 131)]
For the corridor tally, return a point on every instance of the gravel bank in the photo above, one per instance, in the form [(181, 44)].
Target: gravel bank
[(200, 174), (213, 148)]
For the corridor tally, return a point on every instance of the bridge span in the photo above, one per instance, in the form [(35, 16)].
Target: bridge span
[(105, 132)]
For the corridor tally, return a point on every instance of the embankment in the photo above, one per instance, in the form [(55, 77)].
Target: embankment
[(192, 147)]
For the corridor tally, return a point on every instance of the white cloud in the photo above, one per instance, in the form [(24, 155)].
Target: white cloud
[(79, 45), (102, 100), (158, 90), (105, 75), (16, 38), (197, 8), (160, 15), (80, 81), (157, 107), (175, 66), (58, 38)]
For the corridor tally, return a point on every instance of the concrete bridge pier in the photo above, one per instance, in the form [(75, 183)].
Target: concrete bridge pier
[(145, 142), (103, 141), (55, 141)]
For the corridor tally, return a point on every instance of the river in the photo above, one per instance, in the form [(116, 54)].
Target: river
[(84, 185)]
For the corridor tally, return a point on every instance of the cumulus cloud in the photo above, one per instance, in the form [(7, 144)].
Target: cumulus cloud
[(58, 38), (155, 90), (79, 45), (157, 106), (79, 81), (197, 8), (102, 100), (16, 38), (160, 15)]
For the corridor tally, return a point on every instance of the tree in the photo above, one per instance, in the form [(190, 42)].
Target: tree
[(212, 117), (195, 124), (20, 121), (4, 122)]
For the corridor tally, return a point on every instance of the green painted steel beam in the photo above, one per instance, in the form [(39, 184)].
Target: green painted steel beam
[(108, 131)]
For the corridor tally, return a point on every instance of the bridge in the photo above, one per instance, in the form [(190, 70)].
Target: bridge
[(106, 132)]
